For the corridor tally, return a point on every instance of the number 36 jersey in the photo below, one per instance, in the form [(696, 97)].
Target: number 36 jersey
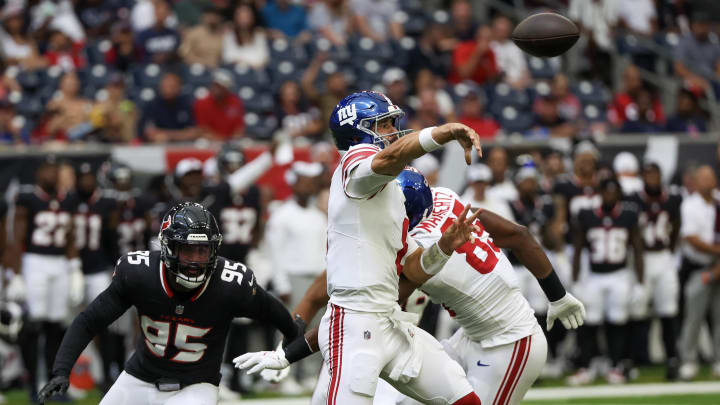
[(478, 285), (607, 235), (182, 338)]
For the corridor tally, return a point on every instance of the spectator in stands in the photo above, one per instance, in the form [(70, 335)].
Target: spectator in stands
[(284, 19), (510, 59), (116, 116), (169, 117), (642, 118), (595, 20), (244, 42), (429, 166), (9, 132), (547, 119), (396, 88), (69, 112), (637, 17), (472, 114), (688, 117), (63, 52), (203, 43), (462, 23), (474, 60), (96, 16), (427, 113), (336, 87), (332, 19), (479, 177), (568, 105), (501, 185), (375, 19), (697, 58), (295, 116), (123, 52), (56, 15), (431, 53), (159, 43), (221, 114), (425, 79), (625, 103), (18, 48)]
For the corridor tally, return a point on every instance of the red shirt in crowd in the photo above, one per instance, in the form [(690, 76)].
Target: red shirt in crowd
[(68, 60), (486, 68), (485, 127), (623, 105), (224, 118)]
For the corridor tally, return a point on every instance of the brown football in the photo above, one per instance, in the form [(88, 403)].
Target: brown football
[(545, 34)]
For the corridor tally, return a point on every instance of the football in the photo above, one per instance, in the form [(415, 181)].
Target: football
[(545, 34)]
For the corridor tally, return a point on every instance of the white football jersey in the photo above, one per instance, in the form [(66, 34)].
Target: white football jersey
[(367, 237), (478, 285)]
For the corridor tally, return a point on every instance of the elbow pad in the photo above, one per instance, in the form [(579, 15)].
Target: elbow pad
[(433, 259)]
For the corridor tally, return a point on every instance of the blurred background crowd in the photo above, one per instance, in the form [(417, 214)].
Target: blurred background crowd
[(216, 90)]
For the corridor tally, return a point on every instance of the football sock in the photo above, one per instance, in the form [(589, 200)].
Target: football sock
[(616, 338), (587, 337), (669, 336), (54, 332)]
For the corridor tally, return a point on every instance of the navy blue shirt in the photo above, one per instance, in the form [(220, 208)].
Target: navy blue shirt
[(291, 20), (153, 41), (681, 124), (165, 114)]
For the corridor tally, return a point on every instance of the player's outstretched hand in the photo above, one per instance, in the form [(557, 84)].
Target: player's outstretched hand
[(258, 361), (460, 232), (569, 310), (57, 385), (275, 376), (464, 135)]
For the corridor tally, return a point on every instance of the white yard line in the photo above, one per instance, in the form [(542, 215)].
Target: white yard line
[(597, 391)]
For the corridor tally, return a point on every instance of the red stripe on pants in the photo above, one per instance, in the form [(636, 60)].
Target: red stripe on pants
[(520, 360), (507, 372), (336, 330)]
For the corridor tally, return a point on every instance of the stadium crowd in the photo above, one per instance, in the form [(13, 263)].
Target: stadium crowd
[(161, 71), (127, 71)]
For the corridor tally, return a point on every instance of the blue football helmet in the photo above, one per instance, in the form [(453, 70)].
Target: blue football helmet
[(354, 120), (418, 196)]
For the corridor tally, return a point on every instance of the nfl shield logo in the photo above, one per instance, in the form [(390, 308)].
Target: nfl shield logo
[(366, 335), (179, 309)]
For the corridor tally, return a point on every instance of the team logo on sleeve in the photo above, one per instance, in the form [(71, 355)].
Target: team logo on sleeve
[(347, 115)]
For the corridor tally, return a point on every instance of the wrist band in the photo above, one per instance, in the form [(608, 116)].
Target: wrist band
[(298, 349), (552, 287), (433, 259), (426, 140)]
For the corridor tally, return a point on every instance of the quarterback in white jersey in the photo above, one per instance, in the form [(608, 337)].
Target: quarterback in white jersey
[(368, 248)]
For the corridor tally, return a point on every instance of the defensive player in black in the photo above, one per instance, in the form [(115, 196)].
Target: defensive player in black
[(660, 225), (134, 216), (609, 232), (186, 296), (42, 245), (96, 223)]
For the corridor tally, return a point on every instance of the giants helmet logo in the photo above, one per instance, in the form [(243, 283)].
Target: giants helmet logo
[(347, 115)]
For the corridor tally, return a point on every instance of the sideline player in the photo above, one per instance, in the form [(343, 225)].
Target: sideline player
[(186, 296), (500, 345), (609, 232), (660, 224), (50, 268)]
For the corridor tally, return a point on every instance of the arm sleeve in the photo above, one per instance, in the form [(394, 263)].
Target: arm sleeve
[(258, 304), (249, 173), (359, 180), (106, 308)]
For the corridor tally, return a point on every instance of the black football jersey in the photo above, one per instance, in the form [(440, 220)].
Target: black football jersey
[(237, 215), (576, 199), (132, 228), (183, 338), (48, 220), (94, 239), (534, 215), (607, 235), (657, 216)]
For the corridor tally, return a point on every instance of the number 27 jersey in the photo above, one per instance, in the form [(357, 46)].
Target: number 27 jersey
[(478, 285)]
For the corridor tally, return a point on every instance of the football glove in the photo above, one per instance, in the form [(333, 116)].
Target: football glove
[(258, 361), (275, 376), (77, 282), (57, 385), (15, 290), (568, 309)]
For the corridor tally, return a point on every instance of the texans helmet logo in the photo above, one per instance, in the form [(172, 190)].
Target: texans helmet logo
[(165, 224)]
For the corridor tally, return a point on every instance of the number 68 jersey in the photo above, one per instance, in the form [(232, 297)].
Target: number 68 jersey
[(182, 337), (478, 285)]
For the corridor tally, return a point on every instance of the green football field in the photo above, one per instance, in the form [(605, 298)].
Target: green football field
[(706, 399)]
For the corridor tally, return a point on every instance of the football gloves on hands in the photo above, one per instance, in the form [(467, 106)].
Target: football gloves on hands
[(258, 361), (57, 385), (569, 310)]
